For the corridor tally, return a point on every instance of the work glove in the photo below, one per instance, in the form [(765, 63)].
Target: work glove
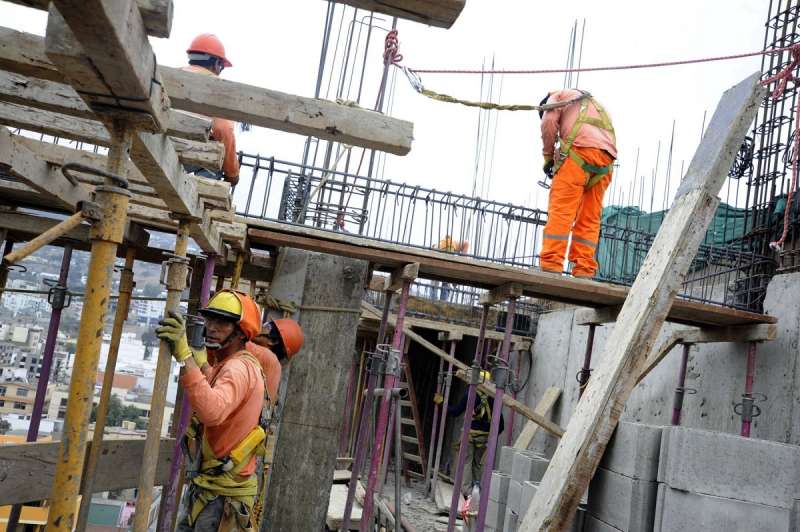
[(173, 331), (547, 168), (438, 399)]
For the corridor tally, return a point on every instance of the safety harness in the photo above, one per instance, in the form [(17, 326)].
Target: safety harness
[(484, 411), (593, 173), (213, 477)]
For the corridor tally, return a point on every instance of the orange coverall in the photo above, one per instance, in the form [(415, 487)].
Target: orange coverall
[(573, 208), (271, 366), (228, 403), (222, 130)]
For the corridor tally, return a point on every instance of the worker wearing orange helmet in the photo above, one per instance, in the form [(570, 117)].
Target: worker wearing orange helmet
[(274, 347), (231, 405), (451, 246), (207, 56), (581, 172)]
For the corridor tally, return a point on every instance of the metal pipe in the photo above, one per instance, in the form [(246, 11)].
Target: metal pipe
[(398, 459), (434, 426), (58, 303), (747, 416), (57, 231), (171, 492), (681, 389), (513, 413), (383, 415), (364, 422), (105, 235), (176, 282), (126, 285), (462, 448), (237, 271), (448, 380), (586, 370), (497, 414)]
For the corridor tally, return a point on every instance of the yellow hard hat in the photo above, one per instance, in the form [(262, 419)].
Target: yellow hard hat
[(237, 307), (485, 375)]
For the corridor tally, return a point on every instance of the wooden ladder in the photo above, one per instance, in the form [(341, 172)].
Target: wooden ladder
[(411, 436)]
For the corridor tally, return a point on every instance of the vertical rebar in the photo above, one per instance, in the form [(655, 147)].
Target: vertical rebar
[(748, 388), (586, 370), (434, 425), (681, 389)]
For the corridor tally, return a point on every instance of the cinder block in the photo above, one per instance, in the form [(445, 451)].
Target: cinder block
[(506, 459), (528, 466), (593, 524), (514, 495), (528, 492), (634, 451), (498, 491), (678, 511), (578, 523), (625, 503), (728, 466), (511, 521), (495, 515)]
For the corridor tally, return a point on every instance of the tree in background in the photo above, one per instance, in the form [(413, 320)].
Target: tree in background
[(117, 413)]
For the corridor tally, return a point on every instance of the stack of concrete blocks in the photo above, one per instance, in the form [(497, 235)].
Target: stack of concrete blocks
[(513, 487), (722, 482), (623, 491)]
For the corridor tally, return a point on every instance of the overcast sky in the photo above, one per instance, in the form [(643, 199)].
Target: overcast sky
[(276, 44)]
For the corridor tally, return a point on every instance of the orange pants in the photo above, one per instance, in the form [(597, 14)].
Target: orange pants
[(576, 209)]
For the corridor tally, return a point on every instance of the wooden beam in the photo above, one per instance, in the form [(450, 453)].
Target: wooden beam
[(450, 336), (395, 281), (156, 14), (643, 313), (30, 468), (154, 155), (544, 405), (38, 174), (501, 294), (439, 13), (484, 274), (101, 47), (597, 316), (23, 53), (62, 98)]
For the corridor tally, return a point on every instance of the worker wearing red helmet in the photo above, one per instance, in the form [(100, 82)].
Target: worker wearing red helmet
[(231, 405), (207, 56)]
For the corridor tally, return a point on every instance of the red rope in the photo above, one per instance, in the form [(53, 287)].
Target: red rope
[(391, 47), (783, 77)]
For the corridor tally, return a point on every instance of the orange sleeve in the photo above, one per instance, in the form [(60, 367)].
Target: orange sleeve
[(213, 405), (550, 122), (222, 130)]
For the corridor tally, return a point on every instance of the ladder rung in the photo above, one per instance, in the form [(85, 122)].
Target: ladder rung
[(409, 439), (412, 458), (413, 473), (406, 421), (403, 402)]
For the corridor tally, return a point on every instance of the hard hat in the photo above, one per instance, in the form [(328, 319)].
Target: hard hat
[(543, 102), (464, 246), (237, 307), (291, 335), (208, 43), (485, 376)]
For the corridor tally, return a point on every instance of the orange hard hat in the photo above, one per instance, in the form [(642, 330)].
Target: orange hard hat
[(208, 43), (291, 335), (237, 307), (464, 246)]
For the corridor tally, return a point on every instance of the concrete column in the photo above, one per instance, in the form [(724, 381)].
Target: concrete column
[(312, 388)]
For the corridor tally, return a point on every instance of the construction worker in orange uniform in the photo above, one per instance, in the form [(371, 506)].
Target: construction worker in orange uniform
[(231, 405), (274, 347), (207, 56), (451, 246), (581, 172)]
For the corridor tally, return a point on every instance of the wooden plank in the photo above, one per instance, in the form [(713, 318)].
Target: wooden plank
[(336, 504), (544, 405), (23, 53), (597, 316), (643, 313), (156, 14), (484, 274), (458, 331), (102, 49), (29, 468), (501, 294), (443, 496), (203, 154), (439, 13), (25, 165), (409, 272), (62, 98), (154, 155)]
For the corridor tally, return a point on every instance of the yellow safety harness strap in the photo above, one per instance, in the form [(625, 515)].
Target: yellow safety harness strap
[(593, 173)]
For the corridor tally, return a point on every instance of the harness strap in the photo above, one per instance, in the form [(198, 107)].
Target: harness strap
[(593, 173)]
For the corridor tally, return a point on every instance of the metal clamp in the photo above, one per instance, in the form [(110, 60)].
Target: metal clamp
[(747, 409), (13, 268), (91, 211), (174, 260), (583, 376), (68, 168), (393, 365), (58, 296), (501, 376), (376, 360), (475, 377), (679, 395)]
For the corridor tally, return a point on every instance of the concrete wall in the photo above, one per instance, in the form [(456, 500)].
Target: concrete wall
[(716, 371)]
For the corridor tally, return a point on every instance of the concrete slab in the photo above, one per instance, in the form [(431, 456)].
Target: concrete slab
[(528, 492), (679, 511), (634, 451), (498, 491), (495, 515), (593, 524), (511, 521), (506, 459), (625, 503), (528, 466), (514, 495), (724, 465)]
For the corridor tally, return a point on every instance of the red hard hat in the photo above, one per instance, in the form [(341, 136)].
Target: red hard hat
[(208, 43), (291, 335)]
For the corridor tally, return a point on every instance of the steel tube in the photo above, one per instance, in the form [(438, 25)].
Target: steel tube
[(362, 436), (176, 282), (398, 462), (512, 413), (462, 453), (679, 391), (497, 414), (383, 414), (748, 386), (586, 370), (57, 231), (171, 493), (434, 426), (123, 306), (442, 421), (105, 235)]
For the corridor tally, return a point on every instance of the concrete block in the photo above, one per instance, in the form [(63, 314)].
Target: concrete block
[(498, 491), (625, 503), (514, 495), (526, 497), (528, 466), (724, 465), (579, 522), (506, 459), (495, 515), (680, 510), (593, 524), (511, 521), (634, 451)]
